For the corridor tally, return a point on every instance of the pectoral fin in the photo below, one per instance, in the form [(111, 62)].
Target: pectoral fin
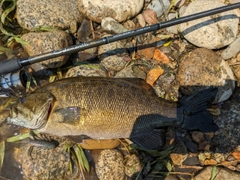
[(153, 139), (70, 115)]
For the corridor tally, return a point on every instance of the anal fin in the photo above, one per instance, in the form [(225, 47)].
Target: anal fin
[(152, 140)]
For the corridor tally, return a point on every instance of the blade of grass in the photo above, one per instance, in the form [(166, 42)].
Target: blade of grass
[(21, 136), (214, 173), (2, 153), (9, 9)]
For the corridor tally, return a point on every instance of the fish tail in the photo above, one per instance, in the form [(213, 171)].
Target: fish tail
[(195, 114)]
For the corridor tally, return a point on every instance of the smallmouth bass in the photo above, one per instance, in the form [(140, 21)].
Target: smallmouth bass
[(109, 108)]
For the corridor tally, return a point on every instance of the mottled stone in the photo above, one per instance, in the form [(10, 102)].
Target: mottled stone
[(86, 70), (112, 26), (122, 10), (156, 5), (221, 174), (212, 32), (232, 50), (54, 13), (43, 42), (109, 165), (202, 68)]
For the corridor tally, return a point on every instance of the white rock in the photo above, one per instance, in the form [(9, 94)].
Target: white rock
[(232, 50), (157, 6), (54, 13), (112, 26), (122, 10), (212, 32)]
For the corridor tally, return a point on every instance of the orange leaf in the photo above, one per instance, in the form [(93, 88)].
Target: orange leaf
[(150, 16), (160, 56), (146, 52), (210, 162), (153, 75)]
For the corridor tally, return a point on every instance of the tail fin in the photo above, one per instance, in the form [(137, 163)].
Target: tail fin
[(196, 116)]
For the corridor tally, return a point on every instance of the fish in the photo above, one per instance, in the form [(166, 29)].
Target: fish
[(110, 108)]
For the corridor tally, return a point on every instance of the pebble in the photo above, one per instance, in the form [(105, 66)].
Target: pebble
[(110, 25), (86, 70), (172, 29), (202, 68), (221, 174), (206, 32), (157, 6), (110, 165), (232, 50), (43, 42), (112, 56), (125, 73), (122, 10), (54, 13)]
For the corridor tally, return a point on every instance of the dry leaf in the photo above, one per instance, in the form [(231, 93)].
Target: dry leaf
[(141, 20), (91, 144), (146, 52), (153, 75), (210, 162), (161, 57), (150, 16), (229, 163), (236, 154)]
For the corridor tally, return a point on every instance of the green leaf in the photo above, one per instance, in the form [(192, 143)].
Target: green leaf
[(214, 173), (9, 9), (82, 160), (5, 50), (20, 40), (21, 136), (2, 153)]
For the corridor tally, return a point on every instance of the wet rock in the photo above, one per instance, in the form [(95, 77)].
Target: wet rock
[(221, 174), (202, 68), (112, 56), (86, 70), (157, 6), (43, 42), (110, 25), (123, 10), (54, 13), (110, 165), (232, 50), (210, 32)]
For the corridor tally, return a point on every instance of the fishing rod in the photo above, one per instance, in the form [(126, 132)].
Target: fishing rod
[(11, 65)]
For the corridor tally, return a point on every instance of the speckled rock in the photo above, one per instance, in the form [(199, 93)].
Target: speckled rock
[(202, 68), (44, 42), (210, 32), (110, 25), (45, 163), (112, 56), (232, 50), (157, 6), (54, 13), (221, 174), (122, 10), (110, 165), (126, 72), (86, 70)]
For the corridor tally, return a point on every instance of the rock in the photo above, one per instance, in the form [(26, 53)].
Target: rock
[(232, 50), (157, 6), (86, 70), (110, 165), (110, 25), (54, 13), (202, 68), (126, 72), (221, 174), (43, 42), (132, 165), (123, 10), (112, 56), (179, 154), (209, 32), (172, 29)]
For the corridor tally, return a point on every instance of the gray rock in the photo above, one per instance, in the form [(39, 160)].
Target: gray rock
[(112, 56), (221, 174), (172, 29), (212, 32), (43, 42), (122, 10), (232, 50), (202, 68), (86, 70), (125, 73), (54, 13), (112, 26), (157, 6)]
